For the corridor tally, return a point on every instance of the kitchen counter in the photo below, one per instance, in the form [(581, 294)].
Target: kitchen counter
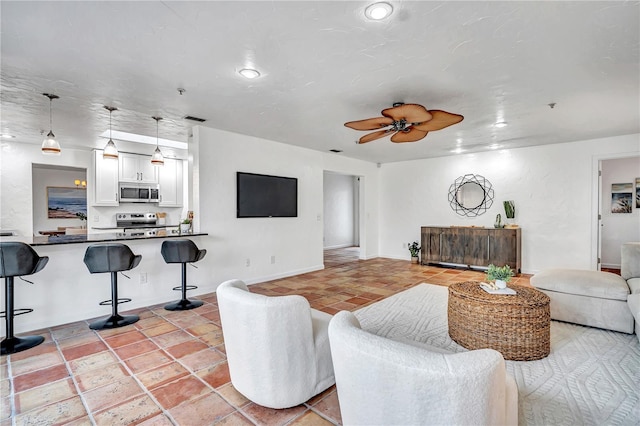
[(45, 240), (64, 291), (100, 228)]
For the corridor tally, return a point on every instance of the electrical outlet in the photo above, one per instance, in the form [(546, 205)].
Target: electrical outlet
[(96, 218), (248, 262), (143, 278), (404, 245), (319, 218), (273, 260)]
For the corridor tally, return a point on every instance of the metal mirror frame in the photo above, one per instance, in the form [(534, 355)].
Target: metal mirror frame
[(481, 208)]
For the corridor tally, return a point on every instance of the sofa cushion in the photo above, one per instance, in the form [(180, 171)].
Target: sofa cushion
[(630, 260), (634, 285), (634, 306), (603, 285)]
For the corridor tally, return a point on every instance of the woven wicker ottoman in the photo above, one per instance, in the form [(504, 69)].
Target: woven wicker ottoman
[(517, 325), (593, 298)]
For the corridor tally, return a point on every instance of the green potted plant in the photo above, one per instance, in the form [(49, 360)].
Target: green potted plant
[(185, 226), (414, 249), (510, 213), (500, 274)]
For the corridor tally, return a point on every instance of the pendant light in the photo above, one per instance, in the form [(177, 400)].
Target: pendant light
[(157, 159), (110, 150), (50, 145)]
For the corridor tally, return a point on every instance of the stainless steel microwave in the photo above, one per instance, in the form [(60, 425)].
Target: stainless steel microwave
[(139, 193)]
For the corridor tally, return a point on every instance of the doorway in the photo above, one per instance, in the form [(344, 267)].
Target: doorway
[(617, 178), (341, 213)]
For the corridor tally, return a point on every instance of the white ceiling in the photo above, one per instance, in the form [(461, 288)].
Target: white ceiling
[(323, 64)]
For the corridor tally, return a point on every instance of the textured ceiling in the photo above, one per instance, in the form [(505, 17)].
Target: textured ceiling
[(323, 64)]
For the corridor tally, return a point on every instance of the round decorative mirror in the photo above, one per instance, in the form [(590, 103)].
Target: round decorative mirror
[(471, 195)]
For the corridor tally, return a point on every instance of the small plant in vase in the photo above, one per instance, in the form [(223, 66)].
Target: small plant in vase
[(83, 218), (501, 275), (510, 213), (414, 249), (185, 226)]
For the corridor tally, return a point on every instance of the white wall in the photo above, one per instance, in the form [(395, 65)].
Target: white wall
[(296, 243), (46, 177), (552, 186), (339, 214), (618, 228)]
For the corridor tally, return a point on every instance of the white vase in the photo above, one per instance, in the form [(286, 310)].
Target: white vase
[(501, 284), (184, 228)]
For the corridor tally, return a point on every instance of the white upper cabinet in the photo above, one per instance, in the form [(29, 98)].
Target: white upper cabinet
[(171, 183), (105, 181), (137, 168)]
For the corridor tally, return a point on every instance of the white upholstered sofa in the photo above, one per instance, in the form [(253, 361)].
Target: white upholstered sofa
[(595, 298), (277, 347), (385, 382)]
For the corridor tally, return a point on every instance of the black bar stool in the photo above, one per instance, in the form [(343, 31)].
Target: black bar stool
[(113, 258), (182, 251), (16, 260)]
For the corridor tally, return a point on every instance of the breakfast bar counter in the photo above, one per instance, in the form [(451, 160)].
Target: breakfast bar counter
[(48, 240), (65, 291)]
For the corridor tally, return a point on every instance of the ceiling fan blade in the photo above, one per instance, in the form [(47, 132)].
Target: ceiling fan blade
[(408, 136), (370, 123), (375, 135), (412, 113), (440, 120)]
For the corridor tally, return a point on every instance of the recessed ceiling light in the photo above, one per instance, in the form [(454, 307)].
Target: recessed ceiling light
[(500, 124), (7, 136), (458, 150), (378, 11), (494, 146), (249, 73)]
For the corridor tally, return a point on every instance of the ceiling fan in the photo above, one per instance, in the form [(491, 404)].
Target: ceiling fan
[(407, 123)]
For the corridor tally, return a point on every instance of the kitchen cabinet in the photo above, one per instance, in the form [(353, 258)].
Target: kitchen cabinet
[(171, 183), (471, 246), (137, 168), (105, 182)]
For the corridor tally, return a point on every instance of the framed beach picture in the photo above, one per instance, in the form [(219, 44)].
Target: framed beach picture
[(66, 203), (621, 197), (637, 193)]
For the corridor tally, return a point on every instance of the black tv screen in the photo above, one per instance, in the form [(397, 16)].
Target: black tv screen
[(266, 196)]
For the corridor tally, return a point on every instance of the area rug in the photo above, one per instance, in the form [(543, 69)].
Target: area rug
[(591, 377)]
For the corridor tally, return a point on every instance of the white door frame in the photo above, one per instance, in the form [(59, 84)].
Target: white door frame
[(596, 203)]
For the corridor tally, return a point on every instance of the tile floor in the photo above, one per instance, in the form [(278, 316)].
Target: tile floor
[(170, 368)]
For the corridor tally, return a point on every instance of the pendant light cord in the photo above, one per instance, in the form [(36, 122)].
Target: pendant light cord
[(157, 132), (50, 115)]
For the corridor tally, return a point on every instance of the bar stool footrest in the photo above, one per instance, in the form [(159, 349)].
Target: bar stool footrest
[(121, 300), (187, 287), (16, 312)]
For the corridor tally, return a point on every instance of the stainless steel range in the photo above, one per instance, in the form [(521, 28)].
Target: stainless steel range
[(136, 220)]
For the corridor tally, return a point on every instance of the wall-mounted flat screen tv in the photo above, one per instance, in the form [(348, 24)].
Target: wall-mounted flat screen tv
[(266, 196)]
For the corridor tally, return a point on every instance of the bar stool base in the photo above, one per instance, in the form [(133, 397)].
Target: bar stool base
[(184, 305), (19, 344), (114, 321)]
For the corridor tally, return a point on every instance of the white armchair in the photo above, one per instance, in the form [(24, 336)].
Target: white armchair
[(386, 382), (277, 347)]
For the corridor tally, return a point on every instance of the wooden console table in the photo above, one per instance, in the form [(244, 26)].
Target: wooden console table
[(471, 246)]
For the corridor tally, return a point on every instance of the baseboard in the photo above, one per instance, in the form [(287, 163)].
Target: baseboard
[(339, 246), (284, 275), (610, 266)]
